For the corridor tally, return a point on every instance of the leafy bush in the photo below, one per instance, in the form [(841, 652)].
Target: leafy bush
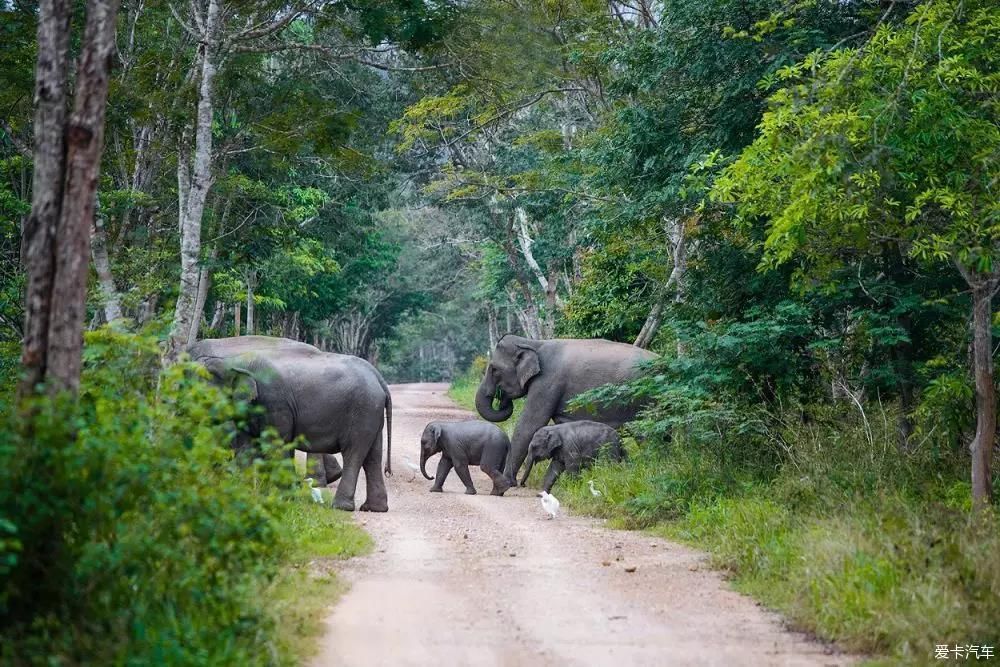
[(128, 535)]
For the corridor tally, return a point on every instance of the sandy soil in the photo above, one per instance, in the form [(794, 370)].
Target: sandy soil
[(480, 580)]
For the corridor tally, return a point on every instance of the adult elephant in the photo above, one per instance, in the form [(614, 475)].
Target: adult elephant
[(549, 374), (335, 401), (324, 468)]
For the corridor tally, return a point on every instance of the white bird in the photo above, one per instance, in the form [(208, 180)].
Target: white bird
[(594, 492), (317, 493), (550, 504), (414, 468)]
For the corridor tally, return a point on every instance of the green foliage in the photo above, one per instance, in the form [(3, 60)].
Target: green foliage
[(129, 533), (848, 538)]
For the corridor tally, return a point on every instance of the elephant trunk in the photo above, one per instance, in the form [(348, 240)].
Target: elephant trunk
[(484, 402), (423, 464)]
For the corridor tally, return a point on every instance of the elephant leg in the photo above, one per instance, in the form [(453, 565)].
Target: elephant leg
[(376, 499), (537, 413), (332, 467), (462, 470), (527, 470), (552, 474), (343, 499), (444, 467), (316, 467), (492, 464)]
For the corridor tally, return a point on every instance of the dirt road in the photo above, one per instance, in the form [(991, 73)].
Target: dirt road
[(479, 580)]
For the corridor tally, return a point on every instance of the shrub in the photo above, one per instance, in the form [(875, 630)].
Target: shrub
[(128, 535)]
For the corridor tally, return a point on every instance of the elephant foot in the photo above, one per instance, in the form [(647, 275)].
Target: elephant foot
[(375, 506), (500, 486), (470, 492), (345, 505), (436, 489)]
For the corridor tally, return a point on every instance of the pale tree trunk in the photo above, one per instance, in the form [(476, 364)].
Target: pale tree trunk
[(218, 316), (105, 279), (251, 281), (986, 406), (195, 187), (71, 180), (47, 189), (204, 284), (236, 318), (678, 247), (494, 333)]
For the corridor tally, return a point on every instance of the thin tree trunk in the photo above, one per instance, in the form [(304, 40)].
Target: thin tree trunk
[(236, 318), (193, 204), (251, 280), (47, 191), (651, 326), (204, 284), (986, 407), (110, 297), (678, 246), (218, 316), (84, 145)]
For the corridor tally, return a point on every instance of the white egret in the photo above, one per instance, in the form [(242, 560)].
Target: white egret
[(550, 504), (317, 493), (414, 468), (594, 492)]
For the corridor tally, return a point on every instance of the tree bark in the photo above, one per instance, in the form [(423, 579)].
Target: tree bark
[(218, 316), (678, 251), (193, 197), (236, 318), (110, 297), (204, 284), (251, 281), (986, 408), (84, 144), (47, 191)]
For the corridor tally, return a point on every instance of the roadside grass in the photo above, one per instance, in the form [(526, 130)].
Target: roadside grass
[(847, 538), (299, 597), (130, 534)]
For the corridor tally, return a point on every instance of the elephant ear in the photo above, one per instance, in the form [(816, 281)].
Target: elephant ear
[(527, 365), (243, 384), (435, 433)]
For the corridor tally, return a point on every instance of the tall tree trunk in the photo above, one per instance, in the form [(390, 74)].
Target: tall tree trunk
[(251, 281), (986, 406), (67, 165), (84, 144), (204, 284), (110, 297), (193, 200), (218, 316), (236, 318), (47, 190), (678, 249)]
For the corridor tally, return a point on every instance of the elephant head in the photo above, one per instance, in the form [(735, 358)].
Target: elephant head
[(543, 444), (429, 446), (511, 369), (243, 386)]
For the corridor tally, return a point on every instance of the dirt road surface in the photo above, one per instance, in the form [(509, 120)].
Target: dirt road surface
[(483, 581)]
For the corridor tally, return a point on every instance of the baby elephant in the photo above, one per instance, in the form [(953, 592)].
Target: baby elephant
[(572, 446), (464, 443)]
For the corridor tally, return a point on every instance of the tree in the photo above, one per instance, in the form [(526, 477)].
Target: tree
[(67, 156), (894, 144)]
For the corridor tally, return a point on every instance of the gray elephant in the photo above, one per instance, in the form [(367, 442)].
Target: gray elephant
[(324, 468), (461, 444), (572, 447), (548, 374), (335, 401)]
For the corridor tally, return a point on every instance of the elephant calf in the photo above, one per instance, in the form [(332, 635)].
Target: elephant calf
[(572, 446), (464, 443)]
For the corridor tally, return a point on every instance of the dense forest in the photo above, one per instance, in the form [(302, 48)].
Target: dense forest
[(795, 203)]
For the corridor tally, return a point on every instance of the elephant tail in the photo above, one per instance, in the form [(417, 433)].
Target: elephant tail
[(388, 433), (388, 421)]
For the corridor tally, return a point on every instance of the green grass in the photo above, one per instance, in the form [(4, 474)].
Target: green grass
[(853, 542), (300, 596)]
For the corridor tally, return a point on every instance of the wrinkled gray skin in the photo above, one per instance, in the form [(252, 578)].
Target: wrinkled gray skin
[(548, 374), (324, 468), (572, 447), (335, 401), (462, 444)]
